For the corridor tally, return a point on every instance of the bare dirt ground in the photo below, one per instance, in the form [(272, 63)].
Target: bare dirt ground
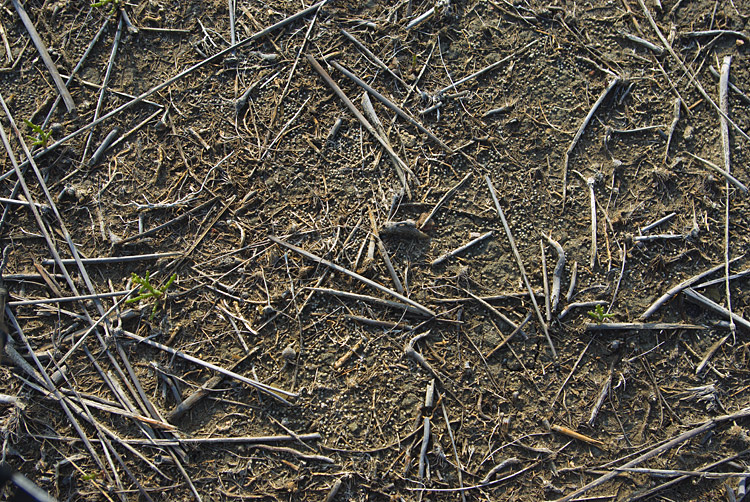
[(247, 175)]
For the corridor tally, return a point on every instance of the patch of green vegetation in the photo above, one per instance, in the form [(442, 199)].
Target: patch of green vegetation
[(115, 4), (89, 477), (148, 292), (598, 314), (42, 136)]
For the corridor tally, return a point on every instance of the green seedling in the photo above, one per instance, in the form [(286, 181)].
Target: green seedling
[(599, 315), (148, 292), (89, 477), (102, 3), (42, 138)]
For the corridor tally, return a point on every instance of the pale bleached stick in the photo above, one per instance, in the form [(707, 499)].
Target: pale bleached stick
[(640, 326), (105, 83), (643, 42), (738, 275), (673, 126), (658, 222), (105, 260), (676, 289), (679, 479), (107, 143), (461, 249), (368, 299), (499, 467), (181, 75), (612, 84), (455, 451), (39, 301), (390, 104), (232, 31), (272, 391), (724, 106), (711, 351), (507, 296), (115, 410), (369, 112), (578, 305), (733, 87), (338, 268), (75, 70), (450, 193), (731, 179), (492, 309), (421, 18), (545, 283), (67, 98), (223, 440), (573, 280), (698, 298), (18, 202), (429, 401), (372, 57), (8, 51), (362, 120), (668, 473), (505, 340), (600, 400), (685, 436), (496, 64), (717, 33), (517, 256), (686, 70), (6, 399)]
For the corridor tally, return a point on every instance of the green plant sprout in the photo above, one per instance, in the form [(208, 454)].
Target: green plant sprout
[(102, 3), (599, 315), (42, 138), (89, 477), (147, 291)]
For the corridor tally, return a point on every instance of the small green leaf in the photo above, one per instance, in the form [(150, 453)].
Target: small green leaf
[(148, 292), (599, 315), (42, 138)]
